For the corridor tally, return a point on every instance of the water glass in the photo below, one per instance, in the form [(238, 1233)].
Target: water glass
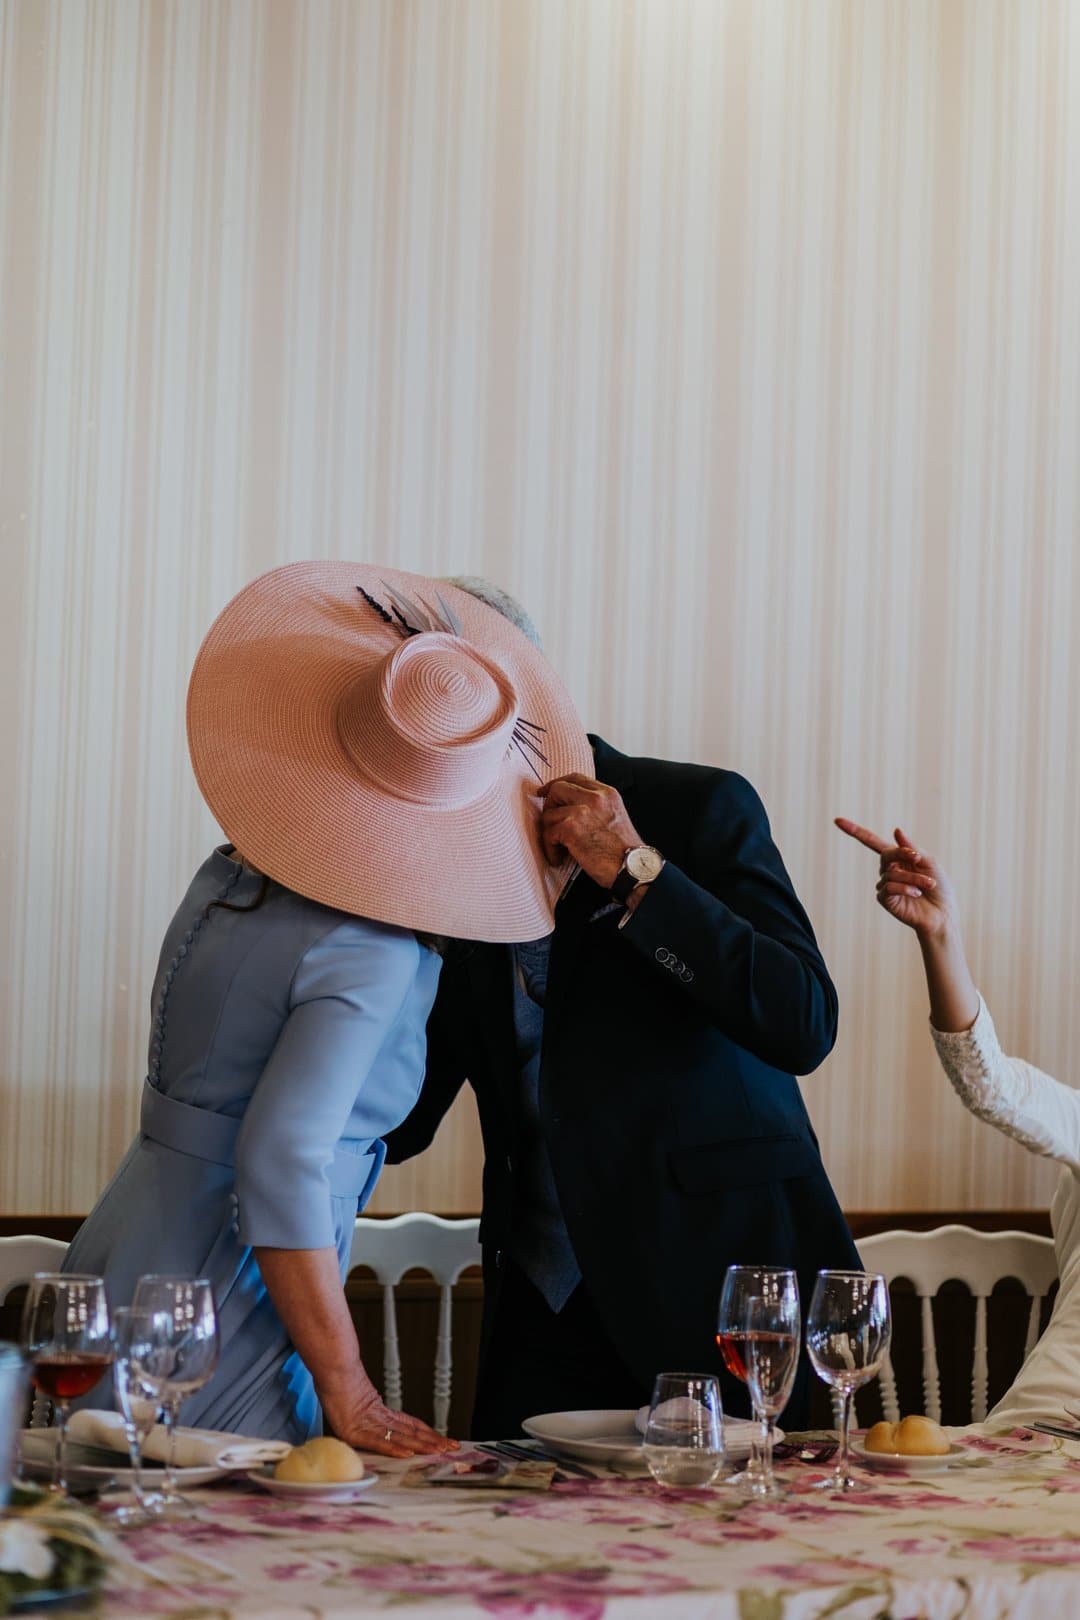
[(848, 1329), (67, 1337), (136, 1334), (758, 1330), (684, 1437), (182, 1358), (12, 1409)]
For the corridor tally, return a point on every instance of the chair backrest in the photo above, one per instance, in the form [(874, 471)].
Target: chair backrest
[(977, 1259), (442, 1248), (21, 1257)]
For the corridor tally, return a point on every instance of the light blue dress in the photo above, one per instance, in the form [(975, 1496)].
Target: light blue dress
[(286, 1041)]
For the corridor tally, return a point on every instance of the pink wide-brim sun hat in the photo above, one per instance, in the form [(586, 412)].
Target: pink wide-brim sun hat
[(390, 775)]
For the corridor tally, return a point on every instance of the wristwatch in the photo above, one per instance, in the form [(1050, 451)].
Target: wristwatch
[(640, 865)]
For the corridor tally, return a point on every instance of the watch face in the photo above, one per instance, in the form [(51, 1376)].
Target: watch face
[(644, 864)]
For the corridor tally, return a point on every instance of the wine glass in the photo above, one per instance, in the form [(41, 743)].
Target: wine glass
[(136, 1333), (182, 1358), (684, 1437), (847, 1336), (758, 1335), (67, 1336)]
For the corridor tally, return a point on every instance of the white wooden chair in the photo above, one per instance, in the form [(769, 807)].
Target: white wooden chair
[(977, 1259), (20, 1258), (442, 1248)]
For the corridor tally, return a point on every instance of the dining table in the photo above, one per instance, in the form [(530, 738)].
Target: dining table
[(995, 1534)]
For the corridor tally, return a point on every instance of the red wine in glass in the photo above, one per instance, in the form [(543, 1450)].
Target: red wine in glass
[(67, 1376), (734, 1348), (68, 1341), (757, 1332)]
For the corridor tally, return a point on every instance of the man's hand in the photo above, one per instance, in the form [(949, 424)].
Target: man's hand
[(586, 820)]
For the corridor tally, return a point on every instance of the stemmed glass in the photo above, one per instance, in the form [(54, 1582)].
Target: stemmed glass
[(68, 1339), (136, 1333), (847, 1336), (181, 1359), (758, 1334)]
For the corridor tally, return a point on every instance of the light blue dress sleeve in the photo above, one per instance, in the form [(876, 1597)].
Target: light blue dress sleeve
[(347, 993)]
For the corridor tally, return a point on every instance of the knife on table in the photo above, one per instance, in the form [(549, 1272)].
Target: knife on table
[(1061, 1430), (510, 1448)]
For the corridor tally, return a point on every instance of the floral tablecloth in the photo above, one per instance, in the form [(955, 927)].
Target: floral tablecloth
[(998, 1535)]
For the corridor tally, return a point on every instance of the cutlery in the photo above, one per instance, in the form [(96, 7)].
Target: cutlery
[(1059, 1429), (496, 1448), (820, 1452), (510, 1448), (80, 1454)]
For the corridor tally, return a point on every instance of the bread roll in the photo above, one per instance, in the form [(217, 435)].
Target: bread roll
[(320, 1462), (911, 1437)]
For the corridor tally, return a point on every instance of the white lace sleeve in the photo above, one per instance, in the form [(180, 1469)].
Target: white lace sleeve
[(1031, 1107)]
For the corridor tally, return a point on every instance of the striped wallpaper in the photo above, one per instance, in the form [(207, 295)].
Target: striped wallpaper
[(741, 338)]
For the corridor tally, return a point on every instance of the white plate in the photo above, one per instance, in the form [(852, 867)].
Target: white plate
[(595, 1436), (894, 1462), (38, 1446), (611, 1436), (346, 1491)]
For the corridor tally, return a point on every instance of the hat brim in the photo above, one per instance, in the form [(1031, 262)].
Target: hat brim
[(268, 758)]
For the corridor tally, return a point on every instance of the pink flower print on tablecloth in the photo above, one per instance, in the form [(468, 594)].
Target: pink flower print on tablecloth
[(635, 1552), (289, 1572), (918, 1546), (627, 1504), (815, 1572), (576, 1593), (268, 1516), (1059, 1554)]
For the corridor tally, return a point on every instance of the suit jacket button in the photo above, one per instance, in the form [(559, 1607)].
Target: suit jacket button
[(498, 1259)]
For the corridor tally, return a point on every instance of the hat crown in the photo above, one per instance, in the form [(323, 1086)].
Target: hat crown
[(431, 722)]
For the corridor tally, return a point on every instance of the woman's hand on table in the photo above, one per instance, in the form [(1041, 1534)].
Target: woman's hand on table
[(360, 1418)]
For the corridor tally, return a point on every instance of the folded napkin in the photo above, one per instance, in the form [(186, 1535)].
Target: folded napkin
[(680, 1409), (195, 1448)]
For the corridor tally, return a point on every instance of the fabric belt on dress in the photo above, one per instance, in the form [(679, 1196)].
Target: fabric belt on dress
[(202, 1134)]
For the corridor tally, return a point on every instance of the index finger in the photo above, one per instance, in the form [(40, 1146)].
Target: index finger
[(862, 835), (572, 779)]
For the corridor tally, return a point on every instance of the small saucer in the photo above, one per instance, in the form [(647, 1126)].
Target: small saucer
[(342, 1491), (895, 1462)]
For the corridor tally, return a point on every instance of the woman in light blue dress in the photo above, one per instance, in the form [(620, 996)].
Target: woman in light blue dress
[(370, 766), (286, 1039)]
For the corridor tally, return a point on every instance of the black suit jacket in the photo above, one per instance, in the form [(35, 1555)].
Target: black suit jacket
[(678, 1136)]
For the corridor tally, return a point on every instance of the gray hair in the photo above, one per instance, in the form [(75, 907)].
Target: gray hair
[(500, 600)]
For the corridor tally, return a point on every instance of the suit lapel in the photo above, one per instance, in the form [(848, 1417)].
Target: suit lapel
[(489, 971), (612, 767), (576, 907)]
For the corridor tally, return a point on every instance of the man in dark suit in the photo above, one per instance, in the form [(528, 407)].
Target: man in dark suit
[(634, 1076)]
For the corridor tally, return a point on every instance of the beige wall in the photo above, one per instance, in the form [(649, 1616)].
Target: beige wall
[(741, 339)]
